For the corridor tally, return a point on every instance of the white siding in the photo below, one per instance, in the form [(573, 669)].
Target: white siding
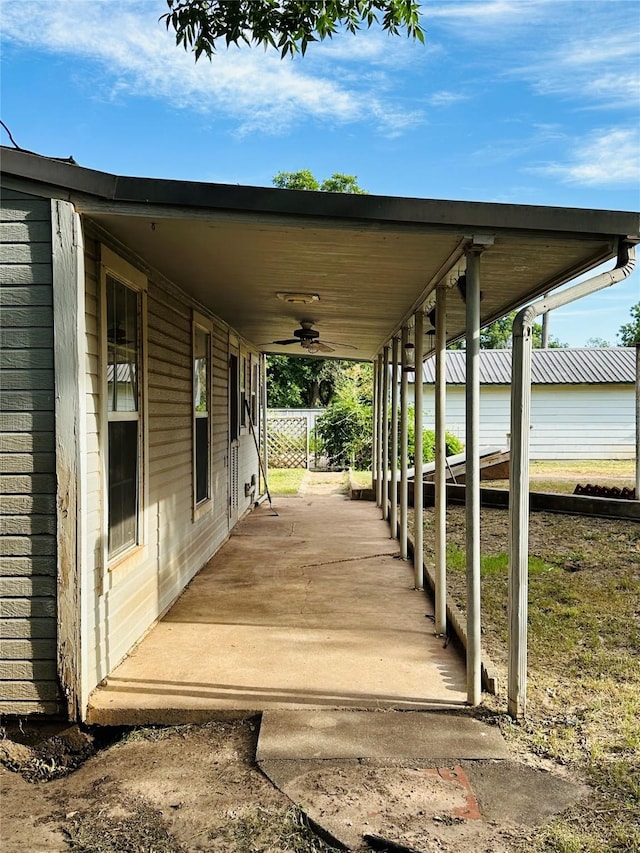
[(177, 544), (567, 421), (28, 675)]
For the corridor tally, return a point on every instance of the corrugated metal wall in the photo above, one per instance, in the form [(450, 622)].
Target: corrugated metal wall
[(27, 460)]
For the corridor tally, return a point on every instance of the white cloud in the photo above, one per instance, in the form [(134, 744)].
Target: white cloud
[(139, 57), (446, 99), (606, 158), (604, 69)]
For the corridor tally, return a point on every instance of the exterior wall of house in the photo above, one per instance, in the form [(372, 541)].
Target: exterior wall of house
[(28, 672), (567, 421), (121, 601)]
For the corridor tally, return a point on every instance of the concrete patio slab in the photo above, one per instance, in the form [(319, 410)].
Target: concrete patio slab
[(383, 737), (309, 608)]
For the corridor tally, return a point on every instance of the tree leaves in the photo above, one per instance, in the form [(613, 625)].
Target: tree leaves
[(629, 333), (286, 25)]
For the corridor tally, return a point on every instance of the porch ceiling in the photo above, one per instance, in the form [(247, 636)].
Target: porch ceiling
[(372, 260)]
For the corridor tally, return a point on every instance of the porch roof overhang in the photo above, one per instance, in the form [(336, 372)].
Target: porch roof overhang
[(372, 260)]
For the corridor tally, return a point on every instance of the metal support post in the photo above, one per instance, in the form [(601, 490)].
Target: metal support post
[(519, 464), (418, 487), (263, 401), (374, 433), (638, 421), (393, 455), (519, 518), (472, 476), (379, 436), (440, 508), (385, 433), (404, 453)]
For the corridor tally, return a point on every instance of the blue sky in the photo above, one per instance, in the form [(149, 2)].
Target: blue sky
[(524, 101)]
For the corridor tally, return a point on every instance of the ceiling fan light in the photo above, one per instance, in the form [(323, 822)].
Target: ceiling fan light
[(298, 298)]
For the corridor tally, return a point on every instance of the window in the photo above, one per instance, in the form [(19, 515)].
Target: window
[(243, 391), (123, 407), (201, 409), (255, 389), (234, 425)]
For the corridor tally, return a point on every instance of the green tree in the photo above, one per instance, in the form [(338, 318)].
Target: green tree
[(497, 335), (305, 180), (346, 428), (629, 334), (596, 342), (286, 25), (306, 383)]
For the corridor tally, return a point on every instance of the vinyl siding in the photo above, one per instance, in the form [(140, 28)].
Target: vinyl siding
[(123, 602), (567, 421), (28, 673)]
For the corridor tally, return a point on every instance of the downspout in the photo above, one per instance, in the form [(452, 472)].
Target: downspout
[(519, 474)]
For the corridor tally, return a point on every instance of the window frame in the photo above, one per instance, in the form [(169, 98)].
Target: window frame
[(204, 324), (243, 390), (112, 265)]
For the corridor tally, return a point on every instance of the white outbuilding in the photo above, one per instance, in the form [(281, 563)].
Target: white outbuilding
[(582, 401)]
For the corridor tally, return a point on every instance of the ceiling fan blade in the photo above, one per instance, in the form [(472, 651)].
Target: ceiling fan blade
[(322, 346), (287, 342)]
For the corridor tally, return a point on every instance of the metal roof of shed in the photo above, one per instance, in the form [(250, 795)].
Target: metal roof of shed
[(561, 366), (373, 260)]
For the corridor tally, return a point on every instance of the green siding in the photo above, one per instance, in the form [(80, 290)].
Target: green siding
[(28, 680)]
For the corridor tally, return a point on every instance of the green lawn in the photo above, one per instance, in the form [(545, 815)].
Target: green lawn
[(285, 481)]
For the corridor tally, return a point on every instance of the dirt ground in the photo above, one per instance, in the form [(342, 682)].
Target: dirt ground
[(198, 788), (190, 788)]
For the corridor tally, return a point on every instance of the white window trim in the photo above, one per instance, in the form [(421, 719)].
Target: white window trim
[(117, 267), (204, 506)]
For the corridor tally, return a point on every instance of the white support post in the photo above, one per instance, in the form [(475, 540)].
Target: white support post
[(393, 455), (519, 465), (379, 437), (472, 476), (385, 433), (404, 454), (441, 462), (418, 487), (263, 407), (638, 421), (519, 517), (374, 436)]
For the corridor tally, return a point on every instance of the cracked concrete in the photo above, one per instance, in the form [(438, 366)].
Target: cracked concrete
[(306, 609)]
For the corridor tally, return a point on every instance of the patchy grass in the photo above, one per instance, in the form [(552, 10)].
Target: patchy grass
[(584, 662), (285, 481), (563, 477), (264, 829), (361, 479)]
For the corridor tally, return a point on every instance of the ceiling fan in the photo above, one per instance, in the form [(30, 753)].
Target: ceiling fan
[(309, 339)]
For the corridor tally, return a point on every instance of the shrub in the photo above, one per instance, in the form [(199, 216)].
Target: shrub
[(346, 432), (454, 445)]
